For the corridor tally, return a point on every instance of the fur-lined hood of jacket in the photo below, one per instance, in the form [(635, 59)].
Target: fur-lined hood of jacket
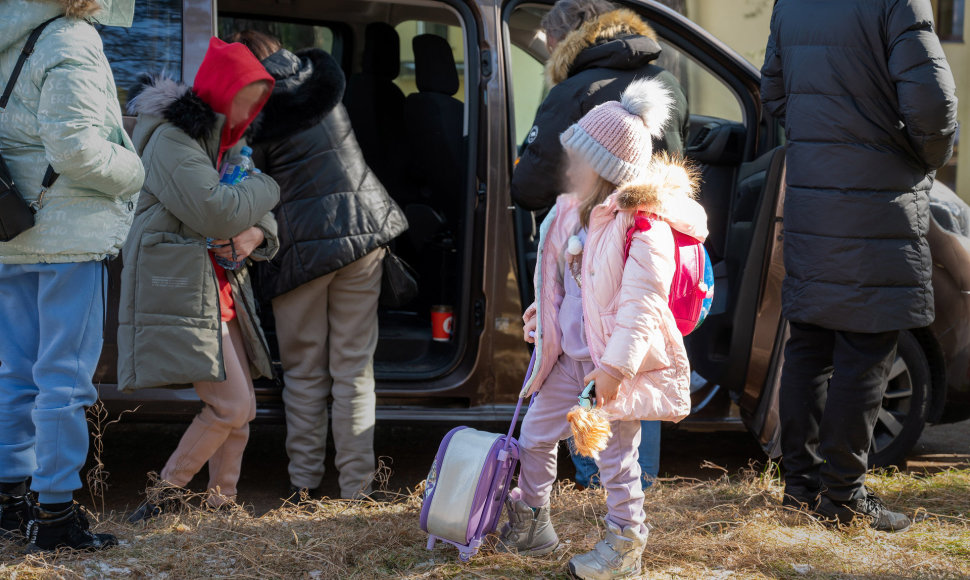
[(670, 192), (309, 84), (169, 100), (615, 26)]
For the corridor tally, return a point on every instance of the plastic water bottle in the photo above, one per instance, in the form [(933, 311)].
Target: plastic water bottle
[(234, 172), (238, 167)]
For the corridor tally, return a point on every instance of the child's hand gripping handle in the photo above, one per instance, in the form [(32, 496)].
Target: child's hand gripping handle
[(590, 427)]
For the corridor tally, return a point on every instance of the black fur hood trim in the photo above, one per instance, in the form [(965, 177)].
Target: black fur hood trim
[(173, 101), (309, 85)]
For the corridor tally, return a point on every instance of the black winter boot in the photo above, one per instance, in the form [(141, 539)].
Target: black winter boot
[(800, 499), (55, 526), (14, 514), (295, 494)]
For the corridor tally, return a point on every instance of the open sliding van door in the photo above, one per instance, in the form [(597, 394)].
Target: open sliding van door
[(743, 346)]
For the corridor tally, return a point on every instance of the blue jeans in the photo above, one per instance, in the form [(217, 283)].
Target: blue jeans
[(51, 327), (587, 474)]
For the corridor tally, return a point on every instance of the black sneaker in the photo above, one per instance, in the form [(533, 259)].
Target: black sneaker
[(869, 506), (50, 530), (801, 499), (146, 511), (161, 500), (296, 494), (14, 516)]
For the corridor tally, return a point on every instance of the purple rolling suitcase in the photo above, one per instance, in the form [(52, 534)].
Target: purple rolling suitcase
[(467, 485)]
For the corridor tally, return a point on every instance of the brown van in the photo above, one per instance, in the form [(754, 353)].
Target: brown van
[(475, 251)]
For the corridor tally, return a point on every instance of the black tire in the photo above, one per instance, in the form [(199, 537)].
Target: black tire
[(904, 407)]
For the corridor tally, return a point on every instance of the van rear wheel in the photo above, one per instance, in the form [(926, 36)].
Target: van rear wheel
[(905, 405)]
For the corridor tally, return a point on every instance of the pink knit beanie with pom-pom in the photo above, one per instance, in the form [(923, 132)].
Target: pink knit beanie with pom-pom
[(616, 138)]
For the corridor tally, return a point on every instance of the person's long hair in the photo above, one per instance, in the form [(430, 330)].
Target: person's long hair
[(260, 44), (604, 188)]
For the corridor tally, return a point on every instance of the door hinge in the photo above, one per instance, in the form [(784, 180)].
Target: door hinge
[(482, 191), (486, 63), (479, 313)]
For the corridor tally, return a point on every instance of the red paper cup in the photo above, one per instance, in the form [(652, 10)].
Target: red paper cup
[(442, 323)]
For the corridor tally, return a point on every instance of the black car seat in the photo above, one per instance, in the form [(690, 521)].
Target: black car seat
[(434, 122), (376, 106)]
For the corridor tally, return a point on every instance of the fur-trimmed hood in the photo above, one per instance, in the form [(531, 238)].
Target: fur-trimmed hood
[(669, 192), (309, 85), (169, 100), (617, 39)]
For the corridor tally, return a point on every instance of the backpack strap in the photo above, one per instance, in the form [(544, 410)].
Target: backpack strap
[(50, 176), (24, 55), (642, 222)]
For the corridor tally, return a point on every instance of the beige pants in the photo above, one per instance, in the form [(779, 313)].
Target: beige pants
[(219, 433), (327, 331)]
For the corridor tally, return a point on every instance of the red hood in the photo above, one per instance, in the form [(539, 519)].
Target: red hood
[(225, 70)]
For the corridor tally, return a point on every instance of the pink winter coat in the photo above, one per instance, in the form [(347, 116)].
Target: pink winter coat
[(630, 330)]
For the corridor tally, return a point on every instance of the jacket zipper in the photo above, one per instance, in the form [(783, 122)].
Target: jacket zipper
[(543, 230)]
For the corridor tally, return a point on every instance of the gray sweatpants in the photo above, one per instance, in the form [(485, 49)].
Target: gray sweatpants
[(545, 425), (327, 331)]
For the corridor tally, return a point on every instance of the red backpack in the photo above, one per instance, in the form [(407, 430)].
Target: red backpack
[(692, 290)]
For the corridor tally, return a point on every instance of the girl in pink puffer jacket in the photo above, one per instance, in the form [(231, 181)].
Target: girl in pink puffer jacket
[(603, 316)]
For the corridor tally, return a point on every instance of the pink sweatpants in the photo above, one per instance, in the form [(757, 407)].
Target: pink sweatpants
[(545, 425), (219, 433)]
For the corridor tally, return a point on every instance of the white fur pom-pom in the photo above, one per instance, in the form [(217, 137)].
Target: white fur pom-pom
[(574, 246), (650, 100)]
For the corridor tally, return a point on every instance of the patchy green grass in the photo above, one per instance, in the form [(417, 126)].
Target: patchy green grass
[(729, 528)]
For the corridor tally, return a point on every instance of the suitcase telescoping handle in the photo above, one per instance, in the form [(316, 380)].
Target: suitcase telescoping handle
[(518, 409)]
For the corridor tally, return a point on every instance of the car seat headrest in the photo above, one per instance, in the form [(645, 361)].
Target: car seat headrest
[(434, 65), (382, 51)]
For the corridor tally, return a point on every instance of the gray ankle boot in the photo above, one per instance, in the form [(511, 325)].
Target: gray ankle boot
[(529, 531), (615, 556)]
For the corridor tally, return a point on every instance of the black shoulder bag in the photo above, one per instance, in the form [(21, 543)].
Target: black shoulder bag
[(16, 215)]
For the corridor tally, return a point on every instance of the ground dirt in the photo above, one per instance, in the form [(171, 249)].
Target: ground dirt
[(715, 514)]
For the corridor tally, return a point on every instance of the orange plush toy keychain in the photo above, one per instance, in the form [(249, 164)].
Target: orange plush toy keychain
[(591, 428)]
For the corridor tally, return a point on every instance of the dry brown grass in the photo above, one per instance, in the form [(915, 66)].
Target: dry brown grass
[(731, 527)]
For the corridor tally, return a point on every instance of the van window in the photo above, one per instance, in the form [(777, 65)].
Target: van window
[(407, 31), (707, 94), (293, 37), (528, 90), (152, 44)]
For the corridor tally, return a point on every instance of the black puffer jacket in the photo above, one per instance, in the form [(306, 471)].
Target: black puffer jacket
[(591, 66), (332, 210), (870, 113)]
